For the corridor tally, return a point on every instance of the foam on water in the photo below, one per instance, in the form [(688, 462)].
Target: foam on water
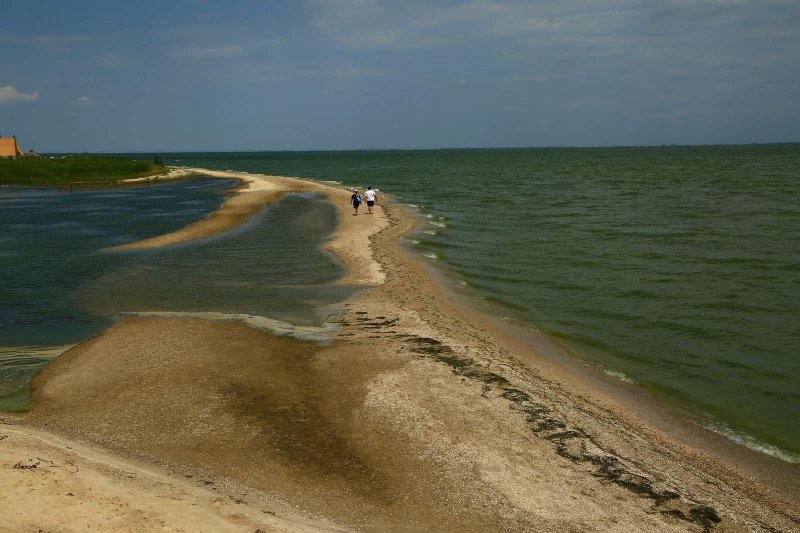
[(323, 333), (619, 376), (751, 442)]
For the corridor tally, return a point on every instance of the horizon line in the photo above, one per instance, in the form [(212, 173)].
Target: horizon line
[(454, 148)]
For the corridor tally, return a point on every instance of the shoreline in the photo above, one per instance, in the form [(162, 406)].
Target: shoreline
[(429, 341), (667, 417)]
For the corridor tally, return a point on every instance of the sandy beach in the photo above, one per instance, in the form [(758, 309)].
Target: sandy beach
[(420, 415)]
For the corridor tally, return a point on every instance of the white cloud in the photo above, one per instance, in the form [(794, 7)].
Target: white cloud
[(85, 100), (10, 94)]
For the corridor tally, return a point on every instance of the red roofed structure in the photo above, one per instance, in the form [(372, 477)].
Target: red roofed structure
[(9, 147)]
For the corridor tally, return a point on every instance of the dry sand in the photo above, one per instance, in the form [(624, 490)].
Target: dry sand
[(421, 415), (54, 484)]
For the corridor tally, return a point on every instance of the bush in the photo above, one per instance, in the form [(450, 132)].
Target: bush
[(74, 170)]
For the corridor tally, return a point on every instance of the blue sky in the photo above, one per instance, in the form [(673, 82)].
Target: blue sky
[(340, 74)]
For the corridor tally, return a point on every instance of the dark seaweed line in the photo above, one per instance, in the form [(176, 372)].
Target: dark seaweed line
[(571, 443)]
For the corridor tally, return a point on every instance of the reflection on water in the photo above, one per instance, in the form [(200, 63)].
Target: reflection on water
[(62, 287)]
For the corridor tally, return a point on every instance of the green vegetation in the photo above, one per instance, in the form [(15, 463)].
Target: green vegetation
[(75, 170)]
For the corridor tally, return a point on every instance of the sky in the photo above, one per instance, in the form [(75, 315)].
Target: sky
[(206, 75)]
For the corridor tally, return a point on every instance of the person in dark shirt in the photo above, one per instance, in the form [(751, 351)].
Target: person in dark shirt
[(355, 201)]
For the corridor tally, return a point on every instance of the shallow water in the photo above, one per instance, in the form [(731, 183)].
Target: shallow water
[(676, 268), (61, 287)]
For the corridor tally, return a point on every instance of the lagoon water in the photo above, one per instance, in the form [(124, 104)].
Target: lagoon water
[(676, 268), (60, 286)]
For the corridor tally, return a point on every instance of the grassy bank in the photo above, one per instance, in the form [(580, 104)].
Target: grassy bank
[(74, 170)]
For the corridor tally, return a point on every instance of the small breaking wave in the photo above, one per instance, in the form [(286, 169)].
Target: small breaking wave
[(748, 441), (620, 376)]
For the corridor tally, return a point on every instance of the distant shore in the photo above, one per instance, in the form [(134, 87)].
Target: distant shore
[(77, 171), (419, 414)]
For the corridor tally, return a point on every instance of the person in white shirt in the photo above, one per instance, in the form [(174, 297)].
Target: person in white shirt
[(371, 198)]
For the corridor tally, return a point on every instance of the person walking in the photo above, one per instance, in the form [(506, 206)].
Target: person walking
[(355, 201), (371, 198)]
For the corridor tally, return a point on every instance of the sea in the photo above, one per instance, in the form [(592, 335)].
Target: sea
[(673, 269)]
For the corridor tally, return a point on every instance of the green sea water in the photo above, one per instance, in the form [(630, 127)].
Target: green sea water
[(674, 268)]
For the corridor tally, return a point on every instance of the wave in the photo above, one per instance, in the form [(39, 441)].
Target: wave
[(438, 244), (619, 376), (504, 303), (748, 441), (681, 327)]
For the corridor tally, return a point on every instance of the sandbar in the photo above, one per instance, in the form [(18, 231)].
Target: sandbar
[(350, 241)]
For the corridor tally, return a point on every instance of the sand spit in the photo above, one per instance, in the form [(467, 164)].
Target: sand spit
[(420, 416), (350, 242), (248, 199), (173, 173)]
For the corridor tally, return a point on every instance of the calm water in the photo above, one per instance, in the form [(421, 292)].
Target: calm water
[(60, 287), (675, 268)]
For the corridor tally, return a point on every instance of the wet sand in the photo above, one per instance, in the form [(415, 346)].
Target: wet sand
[(350, 242), (247, 200), (420, 415)]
